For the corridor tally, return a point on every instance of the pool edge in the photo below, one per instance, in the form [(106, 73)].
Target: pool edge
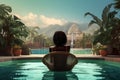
[(114, 58)]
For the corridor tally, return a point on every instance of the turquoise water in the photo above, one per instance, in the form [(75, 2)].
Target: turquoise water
[(40, 51), (81, 51), (74, 51), (36, 70)]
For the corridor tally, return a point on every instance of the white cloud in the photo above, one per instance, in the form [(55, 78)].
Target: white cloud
[(51, 21), (30, 19), (30, 16)]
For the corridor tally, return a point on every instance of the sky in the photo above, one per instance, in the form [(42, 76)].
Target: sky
[(43, 13)]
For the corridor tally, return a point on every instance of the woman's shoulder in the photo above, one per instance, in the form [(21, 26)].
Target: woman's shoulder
[(60, 48), (52, 46), (66, 46)]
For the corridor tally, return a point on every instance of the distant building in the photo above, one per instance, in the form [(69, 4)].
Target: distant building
[(74, 34)]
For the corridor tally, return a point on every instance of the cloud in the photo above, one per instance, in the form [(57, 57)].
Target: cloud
[(29, 19), (51, 21), (33, 20), (30, 16)]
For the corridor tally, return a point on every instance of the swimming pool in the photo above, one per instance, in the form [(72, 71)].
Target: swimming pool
[(36, 70), (73, 50), (40, 51)]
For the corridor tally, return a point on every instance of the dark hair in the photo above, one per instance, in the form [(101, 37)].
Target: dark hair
[(59, 38)]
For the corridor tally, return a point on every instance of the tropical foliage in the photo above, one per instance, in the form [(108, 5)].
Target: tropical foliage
[(86, 41), (12, 29), (117, 4), (106, 24), (116, 35), (43, 40), (32, 33), (109, 29)]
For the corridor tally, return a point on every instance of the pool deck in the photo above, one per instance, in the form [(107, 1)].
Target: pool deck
[(115, 58)]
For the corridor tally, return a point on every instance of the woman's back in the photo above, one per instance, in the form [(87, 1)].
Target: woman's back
[(59, 48)]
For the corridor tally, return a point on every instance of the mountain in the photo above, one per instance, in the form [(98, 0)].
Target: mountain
[(49, 31)]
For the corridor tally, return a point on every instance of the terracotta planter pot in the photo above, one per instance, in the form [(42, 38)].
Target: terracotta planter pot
[(17, 52), (103, 52)]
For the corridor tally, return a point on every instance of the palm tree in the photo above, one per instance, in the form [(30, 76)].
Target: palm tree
[(116, 37), (11, 30), (17, 29), (4, 12), (103, 34), (117, 4), (116, 31)]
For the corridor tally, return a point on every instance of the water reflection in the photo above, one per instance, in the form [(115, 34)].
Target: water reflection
[(68, 75)]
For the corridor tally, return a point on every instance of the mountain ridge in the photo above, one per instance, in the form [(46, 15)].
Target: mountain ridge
[(49, 31)]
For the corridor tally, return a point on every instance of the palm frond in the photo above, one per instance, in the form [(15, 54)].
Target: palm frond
[(5, 10), (15, 17), (112, 14), (117, 4), (105, 13), (91, 22), (98, 21)]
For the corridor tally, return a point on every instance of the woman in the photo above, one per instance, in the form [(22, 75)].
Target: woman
[(60, 41), (59, 58)]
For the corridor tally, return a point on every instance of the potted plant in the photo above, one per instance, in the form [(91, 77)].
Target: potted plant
[(103, 50), (100, 49), (17, 50), (95, 49)]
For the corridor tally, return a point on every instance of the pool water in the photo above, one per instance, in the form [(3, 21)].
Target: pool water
[(36, 70), (74, 51), (40, 51), (81, 51)]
